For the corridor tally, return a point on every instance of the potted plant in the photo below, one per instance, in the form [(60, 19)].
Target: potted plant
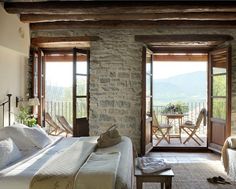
[(177, 108), (25, 117)]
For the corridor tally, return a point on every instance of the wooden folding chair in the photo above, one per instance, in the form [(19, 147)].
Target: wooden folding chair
[(54, 128), (64, 123), (163, 129), (191, 129)]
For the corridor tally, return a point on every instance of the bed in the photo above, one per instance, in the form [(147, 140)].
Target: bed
[(63, 163)]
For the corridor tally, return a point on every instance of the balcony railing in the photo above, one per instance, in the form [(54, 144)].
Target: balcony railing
[(193, 111), (64, 108)]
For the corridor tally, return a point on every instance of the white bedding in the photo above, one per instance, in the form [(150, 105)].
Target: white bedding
[(19, 175)]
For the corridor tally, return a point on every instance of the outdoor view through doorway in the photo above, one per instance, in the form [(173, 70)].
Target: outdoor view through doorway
[(59, 87), (179, 94), (58, 90)]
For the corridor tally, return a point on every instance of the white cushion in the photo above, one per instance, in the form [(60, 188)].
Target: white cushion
[(232, 142), (38, 136), (8, 152), (18, 135)]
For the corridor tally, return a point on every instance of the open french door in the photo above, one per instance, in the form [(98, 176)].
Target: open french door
[(219, 98), (147, 97), (80, 92), (38, 85)]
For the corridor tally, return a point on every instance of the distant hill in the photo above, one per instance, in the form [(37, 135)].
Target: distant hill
[(190, 87)]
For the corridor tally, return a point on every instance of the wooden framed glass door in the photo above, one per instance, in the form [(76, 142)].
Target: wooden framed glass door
[(80, 92), (38, 85), (219, 98), (147, 98)]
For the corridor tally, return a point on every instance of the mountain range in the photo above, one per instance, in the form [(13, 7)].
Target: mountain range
[(189, 87)]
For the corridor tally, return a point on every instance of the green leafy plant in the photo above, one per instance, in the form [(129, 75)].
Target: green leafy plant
[(25, 118), (177, 108)]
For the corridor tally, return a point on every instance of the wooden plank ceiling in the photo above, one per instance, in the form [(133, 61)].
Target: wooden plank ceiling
[(64, 15), (93, 14)]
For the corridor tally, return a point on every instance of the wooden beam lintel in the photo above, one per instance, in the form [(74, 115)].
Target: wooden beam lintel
[(190, 58), (183, 38), (38, 40), (180, 50)]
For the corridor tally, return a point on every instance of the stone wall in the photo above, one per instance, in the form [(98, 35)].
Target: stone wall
[(115, 83)]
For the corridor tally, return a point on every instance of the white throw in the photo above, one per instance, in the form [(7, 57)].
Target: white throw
[(99, 171), (60, 170), (151, 165)]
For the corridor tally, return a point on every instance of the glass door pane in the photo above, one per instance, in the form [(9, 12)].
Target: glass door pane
[(81, 107), (80, 84), (219, 108), (219, 85), (81, 87)]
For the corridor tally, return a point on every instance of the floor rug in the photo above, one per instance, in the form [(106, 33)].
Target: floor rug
[(194, 176)]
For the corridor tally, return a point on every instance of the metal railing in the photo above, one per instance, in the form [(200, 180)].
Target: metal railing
[(191, 115)]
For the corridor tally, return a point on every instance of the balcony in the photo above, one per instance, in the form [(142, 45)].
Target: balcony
[(191, 113), (64, 108)]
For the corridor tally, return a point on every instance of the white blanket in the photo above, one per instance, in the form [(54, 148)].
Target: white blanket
[(20, 176), (60, 171), (99, 171)]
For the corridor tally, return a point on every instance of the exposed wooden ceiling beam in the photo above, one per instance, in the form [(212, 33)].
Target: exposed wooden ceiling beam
[(33, 18), (88, 7), (63, 25)]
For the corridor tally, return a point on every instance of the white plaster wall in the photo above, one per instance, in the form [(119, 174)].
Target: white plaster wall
[(12, 79), (14, 50), (13, 33)]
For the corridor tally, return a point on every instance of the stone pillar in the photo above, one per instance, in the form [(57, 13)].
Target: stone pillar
[(115, 85)]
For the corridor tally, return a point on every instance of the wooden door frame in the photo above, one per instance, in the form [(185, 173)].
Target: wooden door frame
[(39, 65), (74, 97), (228, 101), (145, 148), (228, 96)]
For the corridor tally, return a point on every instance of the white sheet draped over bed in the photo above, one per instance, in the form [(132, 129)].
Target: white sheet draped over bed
[(99, 171), (20, 177)]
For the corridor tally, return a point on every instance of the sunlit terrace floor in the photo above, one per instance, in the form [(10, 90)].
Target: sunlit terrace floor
[(175, 142)]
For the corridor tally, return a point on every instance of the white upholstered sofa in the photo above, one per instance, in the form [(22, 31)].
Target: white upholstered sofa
[(229, 157)]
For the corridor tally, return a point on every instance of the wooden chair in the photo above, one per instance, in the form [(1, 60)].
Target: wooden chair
[(163, 129), (64, 123), (191, 129), (54, 128)]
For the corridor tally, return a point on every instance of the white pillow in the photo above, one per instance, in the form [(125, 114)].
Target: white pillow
[(18, 135), (8, 152), (38, 136), (232, 142)]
